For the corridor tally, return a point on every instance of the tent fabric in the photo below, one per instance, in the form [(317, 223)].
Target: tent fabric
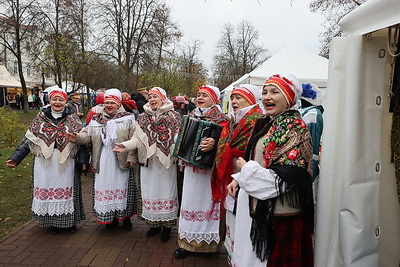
[(358, 214), (6, 79), (305, 65), (371, 16)]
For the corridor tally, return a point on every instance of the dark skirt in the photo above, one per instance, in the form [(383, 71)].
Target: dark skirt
[(292, 242)]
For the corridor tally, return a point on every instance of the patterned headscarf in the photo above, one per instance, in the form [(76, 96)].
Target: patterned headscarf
[(288, 85), (57, 91), (159, 92), (248, 92), (211, 91), (113, 95)]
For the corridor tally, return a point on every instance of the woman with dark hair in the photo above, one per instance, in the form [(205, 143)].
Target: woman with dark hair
[(274, 209)]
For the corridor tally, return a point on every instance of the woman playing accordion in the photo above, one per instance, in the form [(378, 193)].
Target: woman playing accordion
[(199, 217)]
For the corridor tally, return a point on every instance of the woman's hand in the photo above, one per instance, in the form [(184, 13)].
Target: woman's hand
[(11, 163), (119, 148), (232, 187), (70, 137), (240, 163), (207, 144), (181, 168)]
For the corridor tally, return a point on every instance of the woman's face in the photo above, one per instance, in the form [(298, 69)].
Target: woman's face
[(110, 107), (155, 102), (238, 102), (203, 100), (57, 103), (273, 100)]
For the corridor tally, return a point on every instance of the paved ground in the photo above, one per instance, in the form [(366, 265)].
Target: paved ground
[(93, 245)]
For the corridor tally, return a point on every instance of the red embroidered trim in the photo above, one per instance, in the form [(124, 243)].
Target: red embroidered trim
[(200, 216), (52, 193), (110, 194), (161, 205)]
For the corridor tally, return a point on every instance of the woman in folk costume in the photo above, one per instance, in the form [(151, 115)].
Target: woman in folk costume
[(231, 145), (274, 204), (154, 141), (199, 216), (114, 181), (57, 194)]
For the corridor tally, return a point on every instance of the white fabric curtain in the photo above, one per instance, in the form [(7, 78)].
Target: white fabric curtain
[(348, 214)]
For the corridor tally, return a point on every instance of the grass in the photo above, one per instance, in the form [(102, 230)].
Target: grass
[(15, 184)]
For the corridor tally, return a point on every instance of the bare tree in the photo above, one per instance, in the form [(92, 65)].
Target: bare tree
[(333, 11), (237, 53), (193, 70), (18, 24), (136, 34)]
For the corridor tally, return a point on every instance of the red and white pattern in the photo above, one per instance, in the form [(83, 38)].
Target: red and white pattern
[(161, 205), (200, 216), (108, 195), (52, 193)]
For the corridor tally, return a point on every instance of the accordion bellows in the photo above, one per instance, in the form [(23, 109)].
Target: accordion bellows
[(191, 133)]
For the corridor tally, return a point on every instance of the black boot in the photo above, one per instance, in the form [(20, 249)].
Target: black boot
[(165, 235), (127, 224), (71, 229), (153, 231), (55, 230), (112, 224), (181, 253)]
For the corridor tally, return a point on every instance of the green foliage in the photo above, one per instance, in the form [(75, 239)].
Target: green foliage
[(11, 127)]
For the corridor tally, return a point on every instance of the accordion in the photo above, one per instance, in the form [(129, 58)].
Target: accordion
[(191, 133)]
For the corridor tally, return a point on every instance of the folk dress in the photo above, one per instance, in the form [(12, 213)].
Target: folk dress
[(114, 194), (154, 141), (232, 144), (274, 204), (199, 222), (57, 194)]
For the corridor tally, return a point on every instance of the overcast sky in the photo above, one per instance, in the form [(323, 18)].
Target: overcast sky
[(279, 22)]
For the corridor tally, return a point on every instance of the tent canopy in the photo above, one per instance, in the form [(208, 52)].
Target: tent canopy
[(371, 16), (6, 80), (308, 67)]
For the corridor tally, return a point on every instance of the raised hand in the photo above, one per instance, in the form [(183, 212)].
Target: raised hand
[(119, 148)]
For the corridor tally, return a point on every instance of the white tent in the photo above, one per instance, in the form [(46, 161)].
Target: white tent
[(308, 67), (358, 212), (6, 80)]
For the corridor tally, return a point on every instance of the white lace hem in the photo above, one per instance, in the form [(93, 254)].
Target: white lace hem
[(199, 237), (160, 217), (103, 209), (52, 208)]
